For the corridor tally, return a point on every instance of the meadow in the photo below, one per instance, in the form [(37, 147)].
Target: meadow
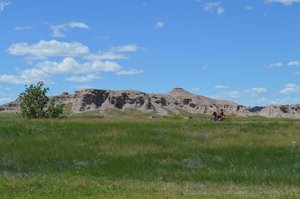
[(133, 155)]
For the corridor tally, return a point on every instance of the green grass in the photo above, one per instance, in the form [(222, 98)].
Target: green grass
[(134, 155)]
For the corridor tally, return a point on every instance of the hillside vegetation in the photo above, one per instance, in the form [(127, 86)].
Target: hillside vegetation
[(132, 155)]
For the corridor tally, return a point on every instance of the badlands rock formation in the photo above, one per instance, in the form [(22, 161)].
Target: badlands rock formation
[(175, 102), (12, 106), (285, 111)]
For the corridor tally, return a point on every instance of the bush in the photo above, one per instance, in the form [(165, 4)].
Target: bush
[(36, 104), (55, 111)]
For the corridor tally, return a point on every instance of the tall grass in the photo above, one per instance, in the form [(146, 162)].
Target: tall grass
[(56, 156)]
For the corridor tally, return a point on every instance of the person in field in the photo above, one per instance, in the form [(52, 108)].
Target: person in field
[(221, 116), (214, 117)]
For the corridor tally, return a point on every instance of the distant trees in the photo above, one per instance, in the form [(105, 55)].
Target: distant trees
[(36, 104)]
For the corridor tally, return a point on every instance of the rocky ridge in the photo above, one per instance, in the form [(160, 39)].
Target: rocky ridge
[(176, 101)]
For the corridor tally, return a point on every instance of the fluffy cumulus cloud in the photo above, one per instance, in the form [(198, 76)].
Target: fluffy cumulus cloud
[(86, 78), (284, 2), (60, 29), (10, 79), (77, 62), (3, 4), (290, 88), (214, 7), (114, 53), (45, 49), (68, 65)]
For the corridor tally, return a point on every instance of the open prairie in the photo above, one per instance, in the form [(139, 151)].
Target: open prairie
[(132, 155)]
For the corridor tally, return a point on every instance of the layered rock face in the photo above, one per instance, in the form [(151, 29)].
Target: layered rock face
[(283, 111), (174, 102), (12, 106)]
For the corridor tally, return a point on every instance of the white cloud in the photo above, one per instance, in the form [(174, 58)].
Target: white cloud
[(77, 61), (284, 2), (3, 4), (19, 28), (286, 100), (44, 70), (275, 65), (70, 65), (229, 95), (77, 25), (45, 49), (58, 30), (159, 25), (234, 95), (209, 6), (101, 66), (258, 90), (195, 89), (221, 87), (114, 53), (248, 8), (86, 78), (130, 72), (261, 100), (10, 79), (214, 7), (220, 10), (294, 63), (25, 77), (33, 75), (126, 48), (290, 88), (67, 65), (296, 73), (252, 92), (105, 56)]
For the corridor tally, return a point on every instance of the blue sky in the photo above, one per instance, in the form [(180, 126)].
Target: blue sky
[(244, 51)]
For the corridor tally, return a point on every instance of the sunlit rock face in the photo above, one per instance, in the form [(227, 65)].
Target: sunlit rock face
[(173, 102), (176, 101)]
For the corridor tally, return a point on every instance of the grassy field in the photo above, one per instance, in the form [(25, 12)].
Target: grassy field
[(138, 156)]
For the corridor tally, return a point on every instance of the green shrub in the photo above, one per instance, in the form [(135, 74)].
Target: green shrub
[(36, 104), (54, 111)]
